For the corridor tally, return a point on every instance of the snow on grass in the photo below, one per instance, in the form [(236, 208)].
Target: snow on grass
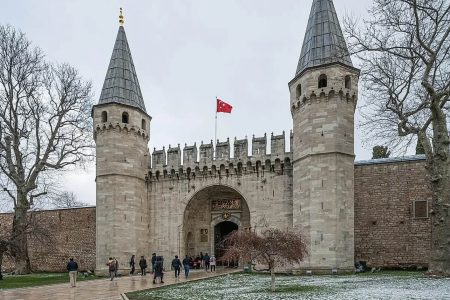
[(256, 287)]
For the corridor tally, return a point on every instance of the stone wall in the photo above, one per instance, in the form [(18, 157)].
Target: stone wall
[(386, 232), (72, 234)]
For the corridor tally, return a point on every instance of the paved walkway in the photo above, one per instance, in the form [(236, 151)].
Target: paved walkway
[(100, 289)]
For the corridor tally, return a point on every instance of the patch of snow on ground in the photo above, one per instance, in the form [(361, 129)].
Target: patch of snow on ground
[(255, 287)]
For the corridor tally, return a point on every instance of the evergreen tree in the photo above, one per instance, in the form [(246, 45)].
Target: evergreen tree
[(380, 152)]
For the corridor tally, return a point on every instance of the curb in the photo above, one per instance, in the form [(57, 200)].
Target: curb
[(124, 297)]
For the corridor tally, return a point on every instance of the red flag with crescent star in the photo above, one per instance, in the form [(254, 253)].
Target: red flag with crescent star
[(224, 107)]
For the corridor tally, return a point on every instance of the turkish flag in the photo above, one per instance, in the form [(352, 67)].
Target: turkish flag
[(223, 106)]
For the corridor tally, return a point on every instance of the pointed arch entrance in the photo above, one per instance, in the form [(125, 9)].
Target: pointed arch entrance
[(211, 214)]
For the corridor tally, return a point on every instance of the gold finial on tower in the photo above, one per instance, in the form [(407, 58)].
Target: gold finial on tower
[(121, 21)]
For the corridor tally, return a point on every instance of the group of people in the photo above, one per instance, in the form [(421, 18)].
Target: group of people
[(157, 263), (157, 266)]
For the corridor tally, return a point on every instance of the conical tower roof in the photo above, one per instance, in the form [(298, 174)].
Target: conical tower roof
[(121, 83), (324, 42)]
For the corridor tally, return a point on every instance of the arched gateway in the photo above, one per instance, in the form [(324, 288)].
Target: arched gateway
[(211, 214)]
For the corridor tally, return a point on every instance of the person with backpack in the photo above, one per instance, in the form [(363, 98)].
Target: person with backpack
[(159, 269), (143, 265), (186, 265), (72, 267), (111, 267), (132, 263), (176, 265)]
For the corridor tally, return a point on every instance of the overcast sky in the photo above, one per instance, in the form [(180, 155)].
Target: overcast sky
[(186, 53)]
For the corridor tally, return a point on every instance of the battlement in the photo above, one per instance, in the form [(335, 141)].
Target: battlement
[(202, 158), (327, 83), (325, 95), (120, 127)]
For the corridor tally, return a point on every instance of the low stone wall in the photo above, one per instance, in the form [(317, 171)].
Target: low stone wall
[(72, 234), (387, 234)]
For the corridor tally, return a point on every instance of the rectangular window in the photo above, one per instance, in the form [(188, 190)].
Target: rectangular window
[(420, 209)]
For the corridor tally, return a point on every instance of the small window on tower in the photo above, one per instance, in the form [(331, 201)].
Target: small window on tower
[(143, 124), (348, 82), (104, 116), (322, 81), (125, 118), (298, 91)]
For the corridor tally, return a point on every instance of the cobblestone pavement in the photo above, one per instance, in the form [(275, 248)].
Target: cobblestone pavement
[(100, 289)]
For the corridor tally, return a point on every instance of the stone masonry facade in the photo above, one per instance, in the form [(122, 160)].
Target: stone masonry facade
[(387, 234), (71, 233), (387, 230)]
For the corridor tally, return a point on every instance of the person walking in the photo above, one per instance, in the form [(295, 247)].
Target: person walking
[(153, 262), (72, 267), (111, 267), (143, 265), (159, 269), (212, 262), (206, 259), (202, 262), (186, 266), (132, 264), (176, 265), (116, 267)]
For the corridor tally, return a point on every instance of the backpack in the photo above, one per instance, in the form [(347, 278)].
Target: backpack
[(112, 265)]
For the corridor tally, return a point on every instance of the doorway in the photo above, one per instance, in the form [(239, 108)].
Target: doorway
[(221, 230)]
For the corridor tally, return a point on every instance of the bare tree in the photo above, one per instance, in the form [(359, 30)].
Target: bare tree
[(405, 52), (66, 200), (272, 248), (44, 126)]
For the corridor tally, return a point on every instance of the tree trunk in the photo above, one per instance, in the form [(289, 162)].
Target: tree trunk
[(272, 277), (440, 183), (19, 237)]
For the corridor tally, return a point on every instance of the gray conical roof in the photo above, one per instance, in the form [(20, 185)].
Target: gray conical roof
[(324, 42), (121, 82)]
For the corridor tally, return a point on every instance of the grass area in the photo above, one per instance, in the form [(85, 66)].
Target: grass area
[(36, 279), (379, 285)]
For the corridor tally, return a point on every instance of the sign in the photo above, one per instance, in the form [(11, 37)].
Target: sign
[(226, 204)]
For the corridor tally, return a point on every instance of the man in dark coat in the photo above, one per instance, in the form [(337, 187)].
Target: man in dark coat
[(153, 262), (143, 265), (159, 269), (72, 267), (176, 265)]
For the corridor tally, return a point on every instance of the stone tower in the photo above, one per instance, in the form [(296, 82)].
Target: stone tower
[(121, 133), (323, 100)]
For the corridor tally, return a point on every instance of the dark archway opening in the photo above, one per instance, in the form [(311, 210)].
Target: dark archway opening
[(221, 230)]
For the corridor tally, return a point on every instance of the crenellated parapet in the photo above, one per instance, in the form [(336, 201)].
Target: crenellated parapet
[(216, 160), (120, 127), (324, 84)]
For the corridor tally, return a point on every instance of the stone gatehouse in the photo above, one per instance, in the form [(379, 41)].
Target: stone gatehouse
[(183, 201)]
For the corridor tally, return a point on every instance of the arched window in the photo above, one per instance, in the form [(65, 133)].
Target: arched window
[(104, 116), (143, 124), (322, 81), (298, 91), (125, 118), (348, 82)]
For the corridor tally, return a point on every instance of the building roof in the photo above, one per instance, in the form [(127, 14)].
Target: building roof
[(390, 160), (121, 83), (324, 42)]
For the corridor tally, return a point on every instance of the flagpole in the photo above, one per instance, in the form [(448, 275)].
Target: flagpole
[(215, 133)]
